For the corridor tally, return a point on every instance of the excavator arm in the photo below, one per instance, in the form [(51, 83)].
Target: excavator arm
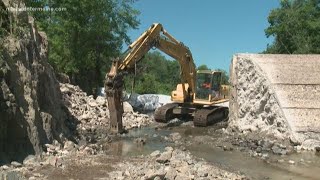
[(157, 37)]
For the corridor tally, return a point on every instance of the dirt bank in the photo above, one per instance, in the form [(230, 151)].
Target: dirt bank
[(34, 108), (31, 110)]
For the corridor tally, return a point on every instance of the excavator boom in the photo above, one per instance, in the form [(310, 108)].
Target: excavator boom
[(157, 37), (187, 100)]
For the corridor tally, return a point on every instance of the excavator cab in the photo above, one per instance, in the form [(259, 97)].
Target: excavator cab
[(208, 86)]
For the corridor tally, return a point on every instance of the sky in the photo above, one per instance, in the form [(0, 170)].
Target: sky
[(214, 30)]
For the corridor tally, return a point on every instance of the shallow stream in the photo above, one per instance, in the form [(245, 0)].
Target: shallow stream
[(306, 164)]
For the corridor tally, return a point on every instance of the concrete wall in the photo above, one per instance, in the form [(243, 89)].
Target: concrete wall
[(278, 94)]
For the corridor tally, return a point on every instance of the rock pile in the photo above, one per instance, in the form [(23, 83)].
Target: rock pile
[(94, 113), (135, 120), (262, 148), (55, 155), (171, 164), (85, 108)]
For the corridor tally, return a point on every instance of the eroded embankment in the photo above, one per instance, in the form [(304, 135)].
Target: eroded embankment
[(35, 110), (277, 95), (31, 111)]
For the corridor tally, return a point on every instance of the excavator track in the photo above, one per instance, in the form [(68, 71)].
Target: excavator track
[(165, 113), (205, 117)]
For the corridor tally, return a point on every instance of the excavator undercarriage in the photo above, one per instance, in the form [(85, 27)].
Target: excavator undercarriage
[(202, 116)]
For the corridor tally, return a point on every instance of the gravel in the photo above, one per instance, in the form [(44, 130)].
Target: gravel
[(170, 164)]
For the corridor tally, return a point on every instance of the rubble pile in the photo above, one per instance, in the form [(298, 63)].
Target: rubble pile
[(55, 155), (171, 164), (85, 108), (135, 120), (94, 113)]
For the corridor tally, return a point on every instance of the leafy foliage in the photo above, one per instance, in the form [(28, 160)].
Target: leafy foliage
[(4, 21), (203, 67), (295, 26), (224, 74), (155, 74), (85, 36)]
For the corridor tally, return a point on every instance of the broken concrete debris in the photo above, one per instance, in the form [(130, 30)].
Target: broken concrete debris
[(94, 112)]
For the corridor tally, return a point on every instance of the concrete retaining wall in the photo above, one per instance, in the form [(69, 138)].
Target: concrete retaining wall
[(277, 94)]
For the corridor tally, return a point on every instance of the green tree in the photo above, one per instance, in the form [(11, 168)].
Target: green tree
[(295, 25), (147, 84), (224, 74), (4, 21), (155, 74), (86, 36), (203, 67)]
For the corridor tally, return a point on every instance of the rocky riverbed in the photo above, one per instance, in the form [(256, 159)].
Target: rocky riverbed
[(90, 145), (257, 159), (74, 161), (170, 164), (52, 130), (176, 150)]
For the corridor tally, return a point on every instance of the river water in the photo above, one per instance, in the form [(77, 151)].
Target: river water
[(306, 164)]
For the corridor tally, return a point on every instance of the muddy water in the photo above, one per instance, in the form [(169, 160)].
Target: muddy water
[(306, 166), (256, 168), (129, 145)]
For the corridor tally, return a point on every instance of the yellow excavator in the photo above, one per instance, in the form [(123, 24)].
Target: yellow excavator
[(197, 95)]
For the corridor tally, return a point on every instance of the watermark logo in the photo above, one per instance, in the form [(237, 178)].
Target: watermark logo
[(35, 9)]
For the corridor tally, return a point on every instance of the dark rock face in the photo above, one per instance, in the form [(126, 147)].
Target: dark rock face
[(31, 110)]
